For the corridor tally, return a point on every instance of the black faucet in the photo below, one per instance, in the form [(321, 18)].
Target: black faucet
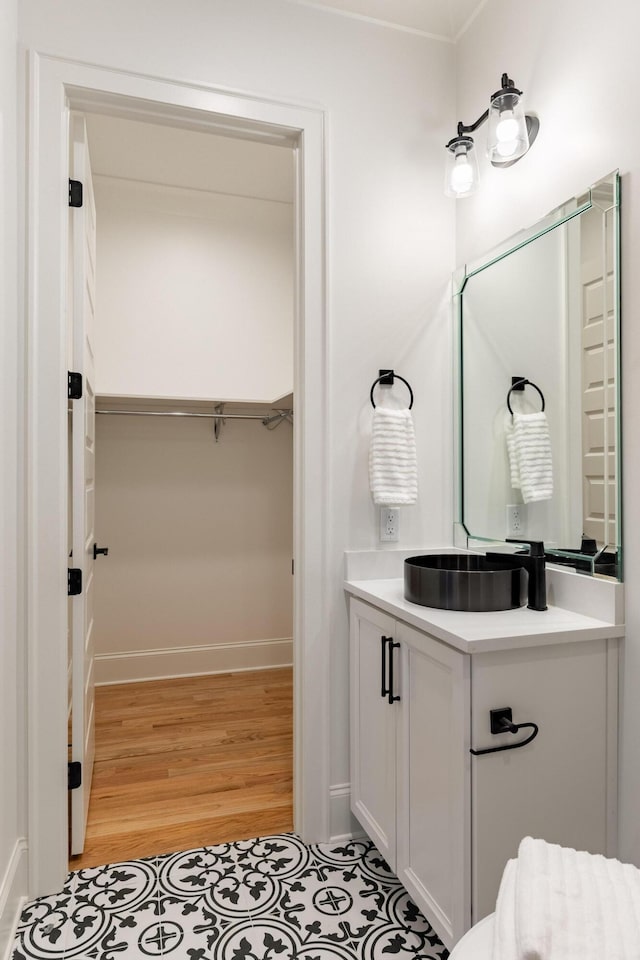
[(534, 564)]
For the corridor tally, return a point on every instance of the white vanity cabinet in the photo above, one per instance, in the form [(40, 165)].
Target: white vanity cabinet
[(447, 821), (432, 779), (410, 761), (373, 728)]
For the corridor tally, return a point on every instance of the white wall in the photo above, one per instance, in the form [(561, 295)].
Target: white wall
[(194, 294), (12, 772), (577, 62), (389, 103), (195, 264), (200, 545)]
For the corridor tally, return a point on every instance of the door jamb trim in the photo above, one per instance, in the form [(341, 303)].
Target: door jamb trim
[(56, 86)]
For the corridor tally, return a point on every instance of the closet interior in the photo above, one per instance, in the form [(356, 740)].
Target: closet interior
[(192, 629)]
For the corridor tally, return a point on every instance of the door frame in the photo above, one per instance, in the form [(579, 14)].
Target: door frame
[(56, 86)]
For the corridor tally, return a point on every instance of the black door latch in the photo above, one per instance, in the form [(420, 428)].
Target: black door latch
[(74, 581)]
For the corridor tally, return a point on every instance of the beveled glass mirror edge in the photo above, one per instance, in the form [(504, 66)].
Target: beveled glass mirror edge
[(462, 536)]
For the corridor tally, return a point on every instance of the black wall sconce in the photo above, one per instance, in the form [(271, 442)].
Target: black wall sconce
[(510, 135)]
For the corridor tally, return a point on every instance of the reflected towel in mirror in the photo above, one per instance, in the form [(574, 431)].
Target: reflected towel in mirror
[(529, 449), (393, 471)]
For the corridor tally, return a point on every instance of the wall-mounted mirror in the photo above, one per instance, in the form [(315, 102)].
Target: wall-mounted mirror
[(544, 308)]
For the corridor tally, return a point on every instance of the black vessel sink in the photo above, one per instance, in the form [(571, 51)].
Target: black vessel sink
[(452, 581)]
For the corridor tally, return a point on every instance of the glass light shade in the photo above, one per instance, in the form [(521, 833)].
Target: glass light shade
[(507, 138), (462, 175)]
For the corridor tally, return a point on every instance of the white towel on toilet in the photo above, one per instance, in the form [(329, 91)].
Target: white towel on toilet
[(573, 905), (556, 903), (504, 926), (393, 471)]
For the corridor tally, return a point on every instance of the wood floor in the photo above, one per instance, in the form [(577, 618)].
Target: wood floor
[(190, 762)]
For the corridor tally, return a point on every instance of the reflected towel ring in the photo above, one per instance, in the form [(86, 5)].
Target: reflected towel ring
[(394, 376), (520, 385)]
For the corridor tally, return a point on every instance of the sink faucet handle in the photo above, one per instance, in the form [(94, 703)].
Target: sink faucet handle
[(536, 547), (598, 555)]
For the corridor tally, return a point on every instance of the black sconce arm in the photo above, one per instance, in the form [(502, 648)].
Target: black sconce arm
[(472, 127), (464, 128)]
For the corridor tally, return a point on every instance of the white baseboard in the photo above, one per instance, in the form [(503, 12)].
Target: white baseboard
[(342, 823), (13, 895), (172, 662)]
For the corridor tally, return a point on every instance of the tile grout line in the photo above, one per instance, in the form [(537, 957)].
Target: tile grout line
[(353, 945), (240, 877), (72, 902), (157, 870)]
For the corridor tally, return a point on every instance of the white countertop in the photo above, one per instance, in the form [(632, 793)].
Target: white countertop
[(484, 632)]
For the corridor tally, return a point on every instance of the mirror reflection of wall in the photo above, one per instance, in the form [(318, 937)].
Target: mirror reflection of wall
[(545, 309), (525, 337)]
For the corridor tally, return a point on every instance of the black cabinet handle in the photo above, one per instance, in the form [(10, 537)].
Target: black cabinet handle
[(392, 698), (383, 648), (97, 550)]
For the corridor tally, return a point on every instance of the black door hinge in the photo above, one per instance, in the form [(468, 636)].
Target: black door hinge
[(74, 581), (74, 775), (75, 193), (74, 385)]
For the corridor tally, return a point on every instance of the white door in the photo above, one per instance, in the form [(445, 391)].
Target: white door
[(82, 293), (598, 397), (373, 726), (434, 782)]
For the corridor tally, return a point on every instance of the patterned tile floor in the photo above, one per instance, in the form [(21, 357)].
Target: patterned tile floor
[(272, 898)]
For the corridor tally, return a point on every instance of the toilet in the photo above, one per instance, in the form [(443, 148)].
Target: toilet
[(477, 943)]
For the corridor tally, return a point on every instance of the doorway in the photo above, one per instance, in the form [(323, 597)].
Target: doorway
[(58, 86), (194, 296)]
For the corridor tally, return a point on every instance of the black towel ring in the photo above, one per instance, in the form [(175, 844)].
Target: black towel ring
[(396, 376), (520, 385)]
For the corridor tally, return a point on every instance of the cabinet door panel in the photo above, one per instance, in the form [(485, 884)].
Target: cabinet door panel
[(433, 781), (373, 731), (557, 787)]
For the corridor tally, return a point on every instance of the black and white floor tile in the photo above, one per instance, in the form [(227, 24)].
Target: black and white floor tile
[(272, 898)]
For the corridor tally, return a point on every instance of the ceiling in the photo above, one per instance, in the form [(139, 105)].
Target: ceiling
[(172, 156), (446, 19)]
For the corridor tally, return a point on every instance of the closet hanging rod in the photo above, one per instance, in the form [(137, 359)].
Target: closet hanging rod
[(184, 413), (277, 415)]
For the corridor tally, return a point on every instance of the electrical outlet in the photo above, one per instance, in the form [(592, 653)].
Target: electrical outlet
[(389, 523), (516, 519)]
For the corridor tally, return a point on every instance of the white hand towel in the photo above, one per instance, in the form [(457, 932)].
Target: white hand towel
[(531, 447), (511, 451), (574, 905), (393, 472)]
